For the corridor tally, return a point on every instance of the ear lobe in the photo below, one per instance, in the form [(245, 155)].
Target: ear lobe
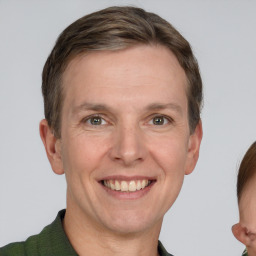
[(52, 147), (241, 234), (193, 148)]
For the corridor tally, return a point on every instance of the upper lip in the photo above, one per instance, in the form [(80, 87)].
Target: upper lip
[(127, 178)]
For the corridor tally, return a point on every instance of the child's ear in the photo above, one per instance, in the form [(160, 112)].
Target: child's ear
[(241, 234)]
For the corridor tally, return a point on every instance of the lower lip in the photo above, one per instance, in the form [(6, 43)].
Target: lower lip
[(118, 194)]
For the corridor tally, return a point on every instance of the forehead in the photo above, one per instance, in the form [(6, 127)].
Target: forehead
[(131, 71)]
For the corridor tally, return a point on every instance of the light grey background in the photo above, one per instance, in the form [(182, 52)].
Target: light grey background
[(223, 36)]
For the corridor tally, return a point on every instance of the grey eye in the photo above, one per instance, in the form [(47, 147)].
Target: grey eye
[(159, 120), (95, 120)]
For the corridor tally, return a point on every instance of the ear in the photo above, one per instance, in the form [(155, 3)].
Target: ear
[(241, 234), (193, 148), (52, 147)]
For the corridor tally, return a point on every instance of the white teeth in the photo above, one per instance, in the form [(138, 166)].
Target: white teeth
[(132, 186), (138, 185), (126, 186), (117, 185), (143, 184), (112, 185)]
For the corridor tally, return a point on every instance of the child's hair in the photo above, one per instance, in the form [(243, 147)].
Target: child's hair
[(247, 170)]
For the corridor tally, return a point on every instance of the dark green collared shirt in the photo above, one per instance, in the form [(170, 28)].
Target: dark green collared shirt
[(245, 253), (52, 241)]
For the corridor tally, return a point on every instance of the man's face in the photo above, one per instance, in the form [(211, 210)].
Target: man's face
[(125, 142)]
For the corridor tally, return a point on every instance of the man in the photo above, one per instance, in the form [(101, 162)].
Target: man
[(122, 96)]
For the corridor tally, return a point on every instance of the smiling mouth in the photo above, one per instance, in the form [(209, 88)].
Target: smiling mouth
[(127, 186)]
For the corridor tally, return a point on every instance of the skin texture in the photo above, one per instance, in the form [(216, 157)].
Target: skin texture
[(245, 230), (128, 90)]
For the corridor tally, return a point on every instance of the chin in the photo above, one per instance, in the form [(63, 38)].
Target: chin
[(129, 224)]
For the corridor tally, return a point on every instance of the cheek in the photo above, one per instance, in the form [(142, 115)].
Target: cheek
[(172, 170), (170, 153), (171, 158), (82, 154)]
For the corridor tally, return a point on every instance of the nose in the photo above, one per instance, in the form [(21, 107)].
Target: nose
[(129, 145)]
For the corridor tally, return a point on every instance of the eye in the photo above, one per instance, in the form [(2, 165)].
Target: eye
[(95, 120), (159, 120)]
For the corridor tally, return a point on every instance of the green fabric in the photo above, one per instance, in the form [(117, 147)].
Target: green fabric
[(245, 253), (52, 241), (162, 251)]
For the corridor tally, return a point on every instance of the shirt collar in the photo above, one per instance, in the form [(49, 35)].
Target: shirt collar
[(61, 246)]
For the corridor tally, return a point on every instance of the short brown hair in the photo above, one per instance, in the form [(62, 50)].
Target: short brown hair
[(116, 28), (247, 170)]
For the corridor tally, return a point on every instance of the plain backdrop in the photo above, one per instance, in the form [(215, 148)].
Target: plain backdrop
[(223, 37)]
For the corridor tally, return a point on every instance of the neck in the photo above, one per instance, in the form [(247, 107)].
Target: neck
[(251, 250), (88, 238)]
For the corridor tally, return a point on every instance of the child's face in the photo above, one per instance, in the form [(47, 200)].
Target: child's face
[(247, 211), (247, 206)]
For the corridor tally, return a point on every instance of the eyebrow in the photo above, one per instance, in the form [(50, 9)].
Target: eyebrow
[(151, 107), (159, 106), (91, 106)]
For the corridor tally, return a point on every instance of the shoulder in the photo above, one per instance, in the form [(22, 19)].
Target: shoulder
[(25, 248), (162, 251), (12, 249), (40, 244), (51, 241), (32, 246)]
